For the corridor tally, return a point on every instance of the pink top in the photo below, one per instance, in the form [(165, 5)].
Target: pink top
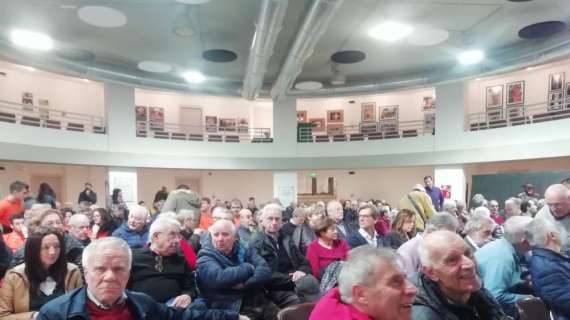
[(320, 257), (331, 308), (498, 219), (382, 226)]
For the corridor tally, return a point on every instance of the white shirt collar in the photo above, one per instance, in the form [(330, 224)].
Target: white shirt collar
[(370, 239), (100, 305)]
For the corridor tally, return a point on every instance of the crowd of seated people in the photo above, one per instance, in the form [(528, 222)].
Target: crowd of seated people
[(192, 257)]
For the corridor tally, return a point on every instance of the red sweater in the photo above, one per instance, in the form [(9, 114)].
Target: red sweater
[(320, 257), (121, 312)]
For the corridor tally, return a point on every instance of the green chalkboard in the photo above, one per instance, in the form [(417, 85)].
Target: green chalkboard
[(503, 186)]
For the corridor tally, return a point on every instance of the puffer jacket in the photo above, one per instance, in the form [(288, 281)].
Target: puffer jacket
[(550, 273), (134, 239)]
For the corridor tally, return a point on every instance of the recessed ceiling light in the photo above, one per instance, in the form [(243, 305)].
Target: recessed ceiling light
[(103, 17), (194, 77), (308, 85), (470, 57), (85, 80), (192, 1), (477, 79), (390, 31), (529, 68), (31, 40), (154, 66), (28, 68), (428, 37)]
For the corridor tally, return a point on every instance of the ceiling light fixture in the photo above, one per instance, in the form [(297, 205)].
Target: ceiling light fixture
[(308, 85), (192, 1), (194, 77), (31, 69), (471, 57), (102, 17), (390, 31), (154, 66), (31, 40)]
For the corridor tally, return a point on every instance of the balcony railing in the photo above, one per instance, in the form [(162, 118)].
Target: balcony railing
[(209, 133), (34, 116), (516, 116), (366, 131)]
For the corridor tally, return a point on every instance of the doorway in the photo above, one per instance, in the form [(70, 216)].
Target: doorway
[(191, 119)]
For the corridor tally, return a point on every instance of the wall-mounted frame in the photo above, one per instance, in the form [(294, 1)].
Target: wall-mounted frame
[(211, 124), (368, 112), (428, 103), (515, 93), (156, 118), (495, 114), (301, 116), (556, 81), (429, 122), (335, 116), (335, 129), (388, 113), (515, 112), (368, 127), (227, 125), (318, 124), (243, 125), (494, 97)]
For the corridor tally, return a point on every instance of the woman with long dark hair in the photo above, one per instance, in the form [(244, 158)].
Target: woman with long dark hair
[(103, 224), (46, 195), (44, 276)]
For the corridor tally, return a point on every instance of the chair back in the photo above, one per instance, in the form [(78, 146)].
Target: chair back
[(297, 312), (533, 309)]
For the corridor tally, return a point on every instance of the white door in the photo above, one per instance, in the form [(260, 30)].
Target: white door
[(191, 119)]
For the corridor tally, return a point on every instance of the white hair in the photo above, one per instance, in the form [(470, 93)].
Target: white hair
[(162, 224), (482, 211), (270, 208), (185, 214), (478, 221), (537, 232), (76, 218), (449, 204), (439, 238), (514, 228), (361, 268), (140, 209), (223, 223), (107, 243), (442, 221)]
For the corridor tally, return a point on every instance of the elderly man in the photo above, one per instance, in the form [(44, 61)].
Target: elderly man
[(479, 231), (495, 215), (434, 193), (408, 252), (370, 286), (135, 230), (512, 207), (246, 225), (558, 207), (500, 263), (419, 202), (550, 268), (289, 267), (297, 219), (366, 234), (107, 263), (159, 270), (79, 228), (335, 212), (449, 286), (232, 277)]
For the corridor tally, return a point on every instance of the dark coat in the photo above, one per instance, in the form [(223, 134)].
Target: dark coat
[(218, 275), (355, 239), (91, 197), (303, 236), (431, 304), (551, 279), (74, 306)]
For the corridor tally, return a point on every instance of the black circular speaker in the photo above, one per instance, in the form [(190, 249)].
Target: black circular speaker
[(219, 55), (348, 56), (542, 29)]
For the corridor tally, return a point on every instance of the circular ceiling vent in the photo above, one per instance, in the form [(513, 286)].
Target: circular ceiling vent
[(154, 66), (308, 85), (76, 55), (542, 29), (348, 56), (103, 17), (219, 55)]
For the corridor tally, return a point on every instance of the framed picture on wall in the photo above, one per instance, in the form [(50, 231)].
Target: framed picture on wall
[(428, 103), (318, 124), (156, 118), (429, 122), (227, 124), (335, 116), (243, 125), (567, 91), (515, 112), (494, 97), (555, 101), (567, 103), (211, 124), (515, 93), (368, 127), (389, 126), (43, 102), (495, 114), (301, 116), (368, 112), (335, 129), (556, 81), (27, 98), (141, 116), (388, 112)]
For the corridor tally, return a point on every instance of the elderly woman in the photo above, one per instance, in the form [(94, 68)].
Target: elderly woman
[(327, 248), (403, 229), (44, 276)]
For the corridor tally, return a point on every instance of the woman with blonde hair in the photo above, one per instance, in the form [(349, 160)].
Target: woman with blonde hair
[(403, 229)]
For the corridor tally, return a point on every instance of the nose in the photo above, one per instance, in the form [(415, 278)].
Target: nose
[(467, 263), (410, 288), (51, 251)]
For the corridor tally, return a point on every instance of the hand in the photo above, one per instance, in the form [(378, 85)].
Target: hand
[(243, 317), (297, 275), (182, 301), (198, 231)]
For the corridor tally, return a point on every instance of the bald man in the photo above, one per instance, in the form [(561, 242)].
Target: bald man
[(557, 208)]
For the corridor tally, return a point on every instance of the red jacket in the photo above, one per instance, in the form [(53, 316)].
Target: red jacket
[(331, 308)]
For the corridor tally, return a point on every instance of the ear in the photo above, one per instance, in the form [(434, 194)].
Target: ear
[(359, 295), (430, 273), (154, 236)]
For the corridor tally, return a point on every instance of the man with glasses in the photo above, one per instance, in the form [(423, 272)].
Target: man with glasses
[(557, 208), (366, 234), (135, 230), (13, 203)]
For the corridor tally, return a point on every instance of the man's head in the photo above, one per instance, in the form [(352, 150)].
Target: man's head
[(298, 216), (367, 216), (107, 264), (334, 210), (441, 221), (235, 207), (137, 218), (558, 200), (546, 234), (565, 182), (514, 232), (223, 236), (246, 218), (19, 190), (220, 213), (17, 222), (251, 203), (164, 235), (478, 200), (428, 181), (480, 228), (271, 218), (205, 205), (188, 219), (79, 226), (372, 282), (512, 207), (449, 206), (354, 205), (51, 218), (88, 186), (447, 260), (528, 189), (494, 206)]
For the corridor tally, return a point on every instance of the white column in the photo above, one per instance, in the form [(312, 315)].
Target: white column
[(120, 113), (285, 186), (452, 176), (285, 123), (449, 114)]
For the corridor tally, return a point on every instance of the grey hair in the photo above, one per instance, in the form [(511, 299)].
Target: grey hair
[(478, 200), (537, 232), (185, 214), (224, 223), (76, 218), (514, 228), (162, 224), (448, 204), (361, 267), (270, 208), (140, 209), (478, 221), (300, 212), (460, 204), (482, 211), (442, 221), (105, 243)]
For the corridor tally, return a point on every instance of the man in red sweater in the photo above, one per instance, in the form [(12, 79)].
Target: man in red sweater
[(13, 203)]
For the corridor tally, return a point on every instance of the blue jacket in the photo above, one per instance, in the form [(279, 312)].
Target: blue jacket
[(551, 279), (74, 306), (355, 239), (133, 239), (218, 274)]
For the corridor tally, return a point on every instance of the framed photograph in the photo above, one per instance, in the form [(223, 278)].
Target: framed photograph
[(494, 97), (243, 125), (156, 118), (43, 102), (567, 104), (334, 129), (335, 116), (567, 91), (227, 124), (27, 98), (211, 124), (429, 122), (555, 96), (369, 127), (368, 112), (428, 104), (318, 124), (301, 116), (494, 114), (388, 112), (515, 93), (389, 126), (556, 81), (514, 112)]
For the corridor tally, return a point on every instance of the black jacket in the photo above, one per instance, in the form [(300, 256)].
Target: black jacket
[(91, 197), (431, 304)]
